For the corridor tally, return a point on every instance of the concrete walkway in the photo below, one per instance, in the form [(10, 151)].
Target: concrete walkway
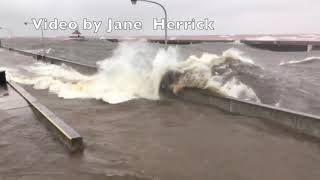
[(163, 140)]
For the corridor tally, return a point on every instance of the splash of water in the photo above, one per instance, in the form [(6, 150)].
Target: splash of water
[(135, 71), (308, 59), (214, 73)]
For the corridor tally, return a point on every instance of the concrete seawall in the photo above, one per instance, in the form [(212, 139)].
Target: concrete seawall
[(84, 68), (281, 45), (63, 132), (301, 122), (186, 41)]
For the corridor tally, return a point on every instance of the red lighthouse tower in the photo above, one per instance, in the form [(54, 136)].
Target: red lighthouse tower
[(76, 35)]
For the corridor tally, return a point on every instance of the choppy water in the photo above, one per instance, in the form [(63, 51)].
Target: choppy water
[(132, 70)]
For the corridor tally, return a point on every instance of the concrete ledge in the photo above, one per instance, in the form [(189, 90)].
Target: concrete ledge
[(186, 41), (63, 132), (85, 68), (282, 45), (301, 122)]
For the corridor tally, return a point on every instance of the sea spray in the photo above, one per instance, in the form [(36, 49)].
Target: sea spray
[(135, 70), (306, 60), (216, 74)]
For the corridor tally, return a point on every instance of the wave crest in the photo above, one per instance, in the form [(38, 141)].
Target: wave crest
[(306, 60), (136, 70)]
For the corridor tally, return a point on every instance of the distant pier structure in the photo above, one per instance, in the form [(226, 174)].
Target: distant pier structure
[(283, 45), (76, 35)]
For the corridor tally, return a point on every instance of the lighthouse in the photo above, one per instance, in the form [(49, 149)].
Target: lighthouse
[(76, 35)]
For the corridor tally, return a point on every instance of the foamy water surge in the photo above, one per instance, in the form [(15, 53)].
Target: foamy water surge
[(135, 71), (306, 60)]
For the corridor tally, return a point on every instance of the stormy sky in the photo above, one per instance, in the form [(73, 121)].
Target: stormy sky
[(230, 16)]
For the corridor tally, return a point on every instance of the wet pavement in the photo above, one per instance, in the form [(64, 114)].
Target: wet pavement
[(164, 140)]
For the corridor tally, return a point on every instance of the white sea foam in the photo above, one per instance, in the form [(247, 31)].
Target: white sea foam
[(236, 54), (236, 42), (197, 73), (224, 36), (235, 88), (135, 71), (263, 38), (308, 59)]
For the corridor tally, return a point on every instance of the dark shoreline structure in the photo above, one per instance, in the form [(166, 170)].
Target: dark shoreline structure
[(181, 42), (177, 41), (283, 45), (273, 45)]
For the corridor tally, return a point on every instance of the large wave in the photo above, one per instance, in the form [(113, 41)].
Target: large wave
[(215, 73), (135, 71)]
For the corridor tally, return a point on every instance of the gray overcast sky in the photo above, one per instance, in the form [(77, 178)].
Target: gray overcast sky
[(230, 16)]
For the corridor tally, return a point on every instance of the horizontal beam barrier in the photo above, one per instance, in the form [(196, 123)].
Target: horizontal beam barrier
[(62, 131)]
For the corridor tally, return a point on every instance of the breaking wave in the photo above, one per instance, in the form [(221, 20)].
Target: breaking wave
[(136, 70), (306, 60), (215, 73)]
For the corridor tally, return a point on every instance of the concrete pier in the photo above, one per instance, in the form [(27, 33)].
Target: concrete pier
[(163, 140), (283, 45), (298, 121)]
